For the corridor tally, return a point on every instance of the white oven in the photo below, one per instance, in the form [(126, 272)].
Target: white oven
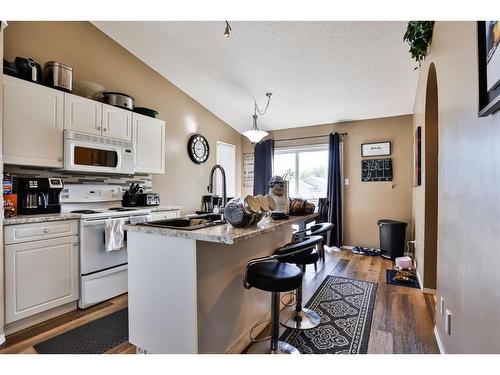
[(92, 153), (103, 274)]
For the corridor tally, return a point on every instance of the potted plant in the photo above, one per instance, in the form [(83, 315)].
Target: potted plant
[(418, 35)]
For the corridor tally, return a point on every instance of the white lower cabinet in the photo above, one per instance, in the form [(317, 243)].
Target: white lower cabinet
[(40, 275)]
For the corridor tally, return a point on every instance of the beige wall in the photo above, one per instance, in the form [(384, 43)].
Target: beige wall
[(367, 202), (469, 205), (96, 57)]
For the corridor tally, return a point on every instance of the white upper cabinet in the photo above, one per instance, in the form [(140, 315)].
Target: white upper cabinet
[(82, 114), (32, 124), (116, 122), (149, 144)]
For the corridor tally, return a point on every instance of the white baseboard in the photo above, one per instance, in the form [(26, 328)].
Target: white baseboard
[(438, 340), (424, 290), (2, 339)]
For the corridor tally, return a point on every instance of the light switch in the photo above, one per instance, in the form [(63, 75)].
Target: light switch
[(346, 182)]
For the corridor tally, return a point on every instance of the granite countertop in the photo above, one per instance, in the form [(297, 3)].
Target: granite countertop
[(223, 233), (25, 219)]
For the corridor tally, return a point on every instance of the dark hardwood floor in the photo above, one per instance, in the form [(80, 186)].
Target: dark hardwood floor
[(403, 318)]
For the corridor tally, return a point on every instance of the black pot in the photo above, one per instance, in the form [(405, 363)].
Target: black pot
[(28, 69), (9, 68), (146, 111)]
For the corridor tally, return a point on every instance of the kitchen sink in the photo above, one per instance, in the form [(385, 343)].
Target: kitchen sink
[(187, 223)]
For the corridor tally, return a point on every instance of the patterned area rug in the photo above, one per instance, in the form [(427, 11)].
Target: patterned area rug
[(346, 309)]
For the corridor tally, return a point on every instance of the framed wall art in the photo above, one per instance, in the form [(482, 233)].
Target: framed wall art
[(248, 169), (488, 44), (376, 149)]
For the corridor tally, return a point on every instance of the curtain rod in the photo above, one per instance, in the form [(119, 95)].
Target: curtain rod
[(310, 137)]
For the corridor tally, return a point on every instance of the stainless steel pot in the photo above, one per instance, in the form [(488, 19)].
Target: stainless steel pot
[(118, 100), (58, 76)]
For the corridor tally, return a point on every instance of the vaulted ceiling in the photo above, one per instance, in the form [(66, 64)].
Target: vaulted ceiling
[(319, 72)]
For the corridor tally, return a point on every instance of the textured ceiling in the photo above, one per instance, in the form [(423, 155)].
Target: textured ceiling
[(319, 72)]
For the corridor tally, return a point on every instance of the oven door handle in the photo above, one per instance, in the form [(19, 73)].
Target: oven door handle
[(95, 223)]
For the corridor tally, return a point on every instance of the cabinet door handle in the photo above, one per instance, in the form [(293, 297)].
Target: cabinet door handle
[(75, 243), (45, 230), (98, 128), (60, 158), (104, 130)]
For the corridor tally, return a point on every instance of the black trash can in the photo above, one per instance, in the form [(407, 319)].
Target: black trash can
[(392, 238)]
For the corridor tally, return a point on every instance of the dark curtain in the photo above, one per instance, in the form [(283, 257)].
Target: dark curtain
[(263, 166), (334, 191)]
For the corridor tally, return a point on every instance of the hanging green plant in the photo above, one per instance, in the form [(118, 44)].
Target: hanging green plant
[(418, 35)]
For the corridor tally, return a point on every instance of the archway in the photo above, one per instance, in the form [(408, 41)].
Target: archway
[(431, 130)]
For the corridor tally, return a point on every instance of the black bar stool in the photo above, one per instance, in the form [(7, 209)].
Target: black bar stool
[(300, 317), (320, 229), (273, 275)]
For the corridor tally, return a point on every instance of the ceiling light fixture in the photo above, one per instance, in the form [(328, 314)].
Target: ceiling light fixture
[(227, 32), (255, 134)]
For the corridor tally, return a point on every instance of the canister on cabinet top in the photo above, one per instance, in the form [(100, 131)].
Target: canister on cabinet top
[(58, 76)]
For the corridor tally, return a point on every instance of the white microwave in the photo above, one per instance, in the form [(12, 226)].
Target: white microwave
[(92, 153)]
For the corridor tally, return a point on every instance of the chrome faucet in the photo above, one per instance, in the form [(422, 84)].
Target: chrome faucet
[(211, 181)]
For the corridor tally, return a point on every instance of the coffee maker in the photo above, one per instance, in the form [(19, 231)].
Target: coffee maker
[(38, 195)]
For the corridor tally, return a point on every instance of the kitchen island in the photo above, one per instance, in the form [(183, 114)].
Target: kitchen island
[(186, 290)]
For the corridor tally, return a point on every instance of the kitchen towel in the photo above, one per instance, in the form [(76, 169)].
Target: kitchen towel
[(114, 234)]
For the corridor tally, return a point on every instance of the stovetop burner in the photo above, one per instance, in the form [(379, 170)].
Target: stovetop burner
[(120, 209), (85, 212)]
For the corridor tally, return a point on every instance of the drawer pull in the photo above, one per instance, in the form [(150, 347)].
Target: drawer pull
[(45, 230)]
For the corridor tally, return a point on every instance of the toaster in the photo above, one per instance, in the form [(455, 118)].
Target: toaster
[(148, 199)]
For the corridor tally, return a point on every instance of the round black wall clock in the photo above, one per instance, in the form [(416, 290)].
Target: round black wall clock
[(198, 148)]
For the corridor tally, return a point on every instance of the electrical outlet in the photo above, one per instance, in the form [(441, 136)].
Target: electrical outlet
[(447, 322), (346, 182), (441, 306)]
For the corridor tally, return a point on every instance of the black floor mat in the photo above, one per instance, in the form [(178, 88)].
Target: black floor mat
[(411, 284), (95, 337)]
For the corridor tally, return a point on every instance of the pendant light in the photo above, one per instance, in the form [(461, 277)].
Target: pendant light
[(227, 32), (255, 135)]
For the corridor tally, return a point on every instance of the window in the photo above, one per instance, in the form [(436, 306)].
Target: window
[(308, 168)]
